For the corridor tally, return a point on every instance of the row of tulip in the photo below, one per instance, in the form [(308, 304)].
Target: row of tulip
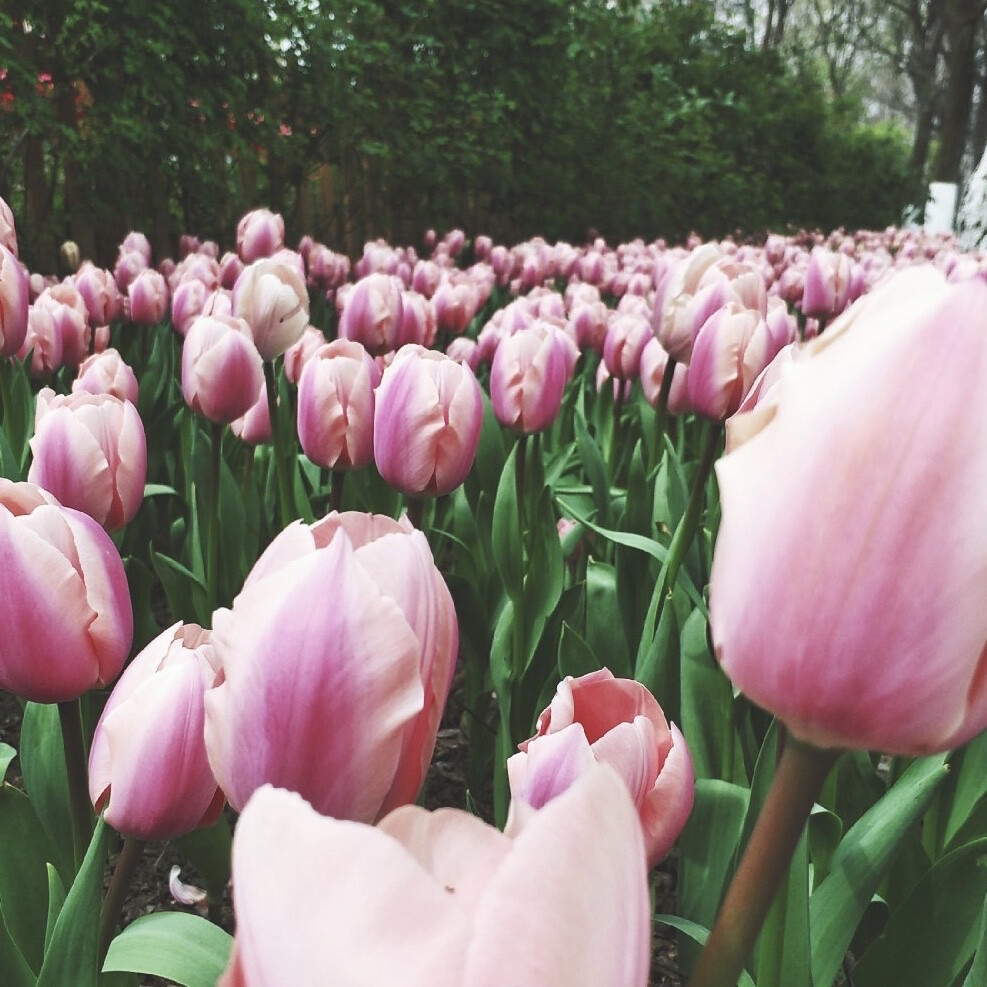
[(543, 421)]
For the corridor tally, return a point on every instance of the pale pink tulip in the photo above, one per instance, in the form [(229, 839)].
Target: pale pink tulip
[(105, 373), (99, 291), (340, 702), (827, 284), (147, 764), (64, 601), (298, 354), (254, 426), (600, 718), (8, 231), (838, 626), (147, 298), (442, 899), (625, 339), (427, 421), (528, 377), (372, 314), (271, 296), (260, 233), (89, 450), (14, 302), (222, 371)]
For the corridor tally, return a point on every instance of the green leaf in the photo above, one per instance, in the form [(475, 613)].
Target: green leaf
[(24, 852), (933, 935), (159, 490), (186, 593), (698, 934), (861, 861), (56, 899), (659, 666), (73, 954), (575, 655), (14, 971), (967, 784), (185, 949), (596, 470), (506, 534), (208, 850), (977, 976), (604, 630), (7, 754), (45, 781)]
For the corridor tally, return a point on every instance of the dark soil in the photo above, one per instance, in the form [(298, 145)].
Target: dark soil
[(445, 785)]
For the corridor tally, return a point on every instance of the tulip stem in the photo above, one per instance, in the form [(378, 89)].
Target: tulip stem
[(6, 397), (284, 486), (799, 778), (212, 548), (416, 512), (116, 894), (661, 409), (336, 490), (77, 773)]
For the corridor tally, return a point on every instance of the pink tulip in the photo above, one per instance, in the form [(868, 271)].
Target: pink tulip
[(528, 378), (298, 354), (254, 426), (89, 450), (14, 301), (338, 656), (336, 406), (187, 302), (260, 233), (455, 305), (137, 243), (8, 231), (654, 360), (57, 330), (827, 284), (221, 368), (442, 899), (625, 339), (373, 313), (864, 628), (64, 601), (599, 718), (147, 298), (106, 373), (271, 296), (147, 764), (427, 421), (418, 323), (99, 291)]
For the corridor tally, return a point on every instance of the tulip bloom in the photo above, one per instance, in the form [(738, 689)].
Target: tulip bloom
[(427, 421), (827, 284), (221, 368), (336, 406), (64, 601), (147, 764), (373, 313), (339, 700), (528, 377), (271, 296), (865, 627), (89, 450), (147, 298), (106, 373), (99, 291), (614, 721), (442, 899), (8, 231), (14, 300), (260, 233)]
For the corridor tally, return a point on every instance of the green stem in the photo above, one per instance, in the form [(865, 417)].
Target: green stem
[(661, 420), (78, 776), (6, 396), (123, 876), (212, 548), (798, 780), (416, 511), (336, 490), (284, 484), (615, 432)]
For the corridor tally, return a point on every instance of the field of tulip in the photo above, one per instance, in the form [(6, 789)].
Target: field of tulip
[(695, 534)]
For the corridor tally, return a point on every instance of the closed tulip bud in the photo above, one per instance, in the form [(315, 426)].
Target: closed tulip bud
[(64, 601), (418, 323), (372, 314), (221, 368), (99, 291), (589, 321), (271, 296), (298, 354), (528, 378), (105, 373), (434, 899), (148, 770), (187, 303), (8, 231), (254, 427), (14, 302), (58, 330), (600, 718), (147, 298), (462, 349), (827, 284), (626, 337), (455, 305), (137, 243), (674, 325), (654, 360), (89, 450), (336, 406), (128, 266), (427, 421), (426, 277), (836, 627), (259, 234), (349, 696), (230, 268)]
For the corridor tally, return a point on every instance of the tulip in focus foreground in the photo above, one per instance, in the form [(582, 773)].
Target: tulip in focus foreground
[(442, 899), (147, 764), (600, 718), (64, 601), (338, 656), (866, 626), (427, 421)]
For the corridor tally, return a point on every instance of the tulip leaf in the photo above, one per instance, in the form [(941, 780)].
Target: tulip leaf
[(861, 861), (659, 666), (73, 954), (159, 490), (7, 754), (575, 655), (967, 785), (43, 766), (698, 934), (14, 970), (543, 582), (185, 591), (978, 972), (10, 467), (596, 470), (184, 949), (604, 631), (24, 852), (506, 533), (934, 933), (208, 850), (56, 899)]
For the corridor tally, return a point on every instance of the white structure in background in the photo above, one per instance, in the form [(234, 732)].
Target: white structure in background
[(940, 208), (971, 223)]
